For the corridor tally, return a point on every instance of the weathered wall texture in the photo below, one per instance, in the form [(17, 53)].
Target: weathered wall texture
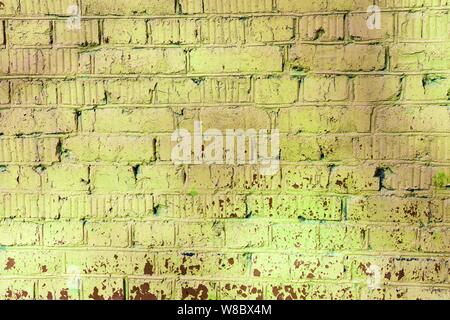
[(91, 205)]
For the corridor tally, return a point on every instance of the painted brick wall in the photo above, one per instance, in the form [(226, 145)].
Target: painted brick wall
[(92, 206)]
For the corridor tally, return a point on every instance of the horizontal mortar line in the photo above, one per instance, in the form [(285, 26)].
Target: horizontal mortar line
[(242, 192), (262, 221), (187, 46), (345, 280), (156, 105), (219, 250), (275, 13), (240, 45), (349, 104), (292, 253), (89, 76), (348, 162), (249, 280), (218, 193), (98, 134), (317, 163)]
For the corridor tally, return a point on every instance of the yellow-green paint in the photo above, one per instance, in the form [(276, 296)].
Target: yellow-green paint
[(92, 206)]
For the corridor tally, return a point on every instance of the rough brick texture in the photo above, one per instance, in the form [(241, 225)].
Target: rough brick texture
[(92, 207)]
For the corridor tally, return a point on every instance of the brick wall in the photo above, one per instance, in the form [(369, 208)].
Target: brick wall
[(92, 206)]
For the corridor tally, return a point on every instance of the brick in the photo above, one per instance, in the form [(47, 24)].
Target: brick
[(191, 235), (226, 265), (407, 177), (419, 56), (128, 120), (31, 262), (230, 6), (128, 91), (390, 209), (351, 57), (124, 31), (317, 268), (63, 233), (321, 28), (328, 148), (29, 150), (109, 148), (354, 179), (43, 61), (138, 61), (88, 34), (58, 289), (413, 119), (320, 88), (154, 234), (19, 234), (393, 238), (104, 234), (19, 178), (4, 92), (264, 29), (113, 178), (29, 32), (234, 230), (32, 92), (198, 290), (325, 119), (427, 87), (336, 237), (81, 92), (359, 30), (160, 177), (17, 289), (299, 236), (276, 91), (303, 207), (149, 289), (270, 265), (123, 7), (410, 147), (375, 88), (434, 239), (249, 59), (241, 291), (103, 289), (175, 31), (423, 25), (26, 121), (44, 8), (66, 178), (4, 65), (406, 293), (306, 177), (300, 7), (112, 262)]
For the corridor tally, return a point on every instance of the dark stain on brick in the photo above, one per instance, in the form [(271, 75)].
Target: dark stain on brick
[(10, 264), (201, 293), (94, 295), (143, 292), (64, 294), (117, 294), (148, 269), (400, 274), (17, 295)]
